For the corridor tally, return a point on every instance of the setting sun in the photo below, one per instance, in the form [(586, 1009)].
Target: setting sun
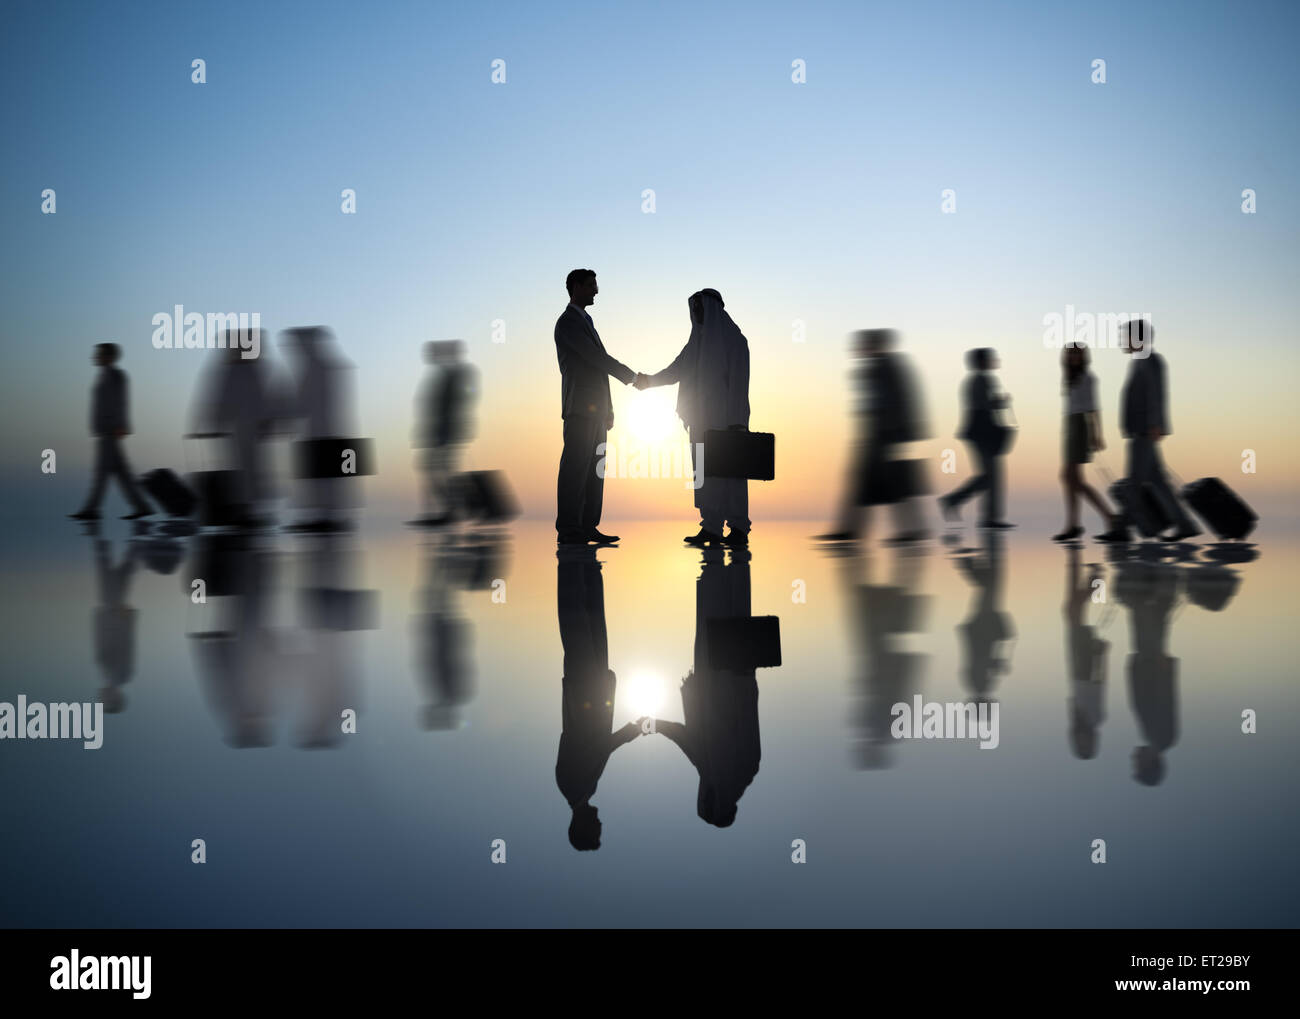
[(651, 414)]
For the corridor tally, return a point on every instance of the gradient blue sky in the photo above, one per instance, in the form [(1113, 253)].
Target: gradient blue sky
[(818, 202)]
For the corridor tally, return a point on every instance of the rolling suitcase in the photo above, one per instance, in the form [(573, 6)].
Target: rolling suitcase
[(169, 492), (739, 454), (744, 643), (1221, 508), (485, 495), (1141, 507)]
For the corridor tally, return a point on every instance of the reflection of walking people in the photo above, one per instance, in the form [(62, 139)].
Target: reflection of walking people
[(988, 632), (988, 438), (1081, 438), (712, 375), (114, 624), (890, 415), (1144, 421), (1150, 592), (1085, 659), (110, 423)]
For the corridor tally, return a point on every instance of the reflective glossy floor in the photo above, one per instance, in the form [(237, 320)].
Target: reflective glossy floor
[(497, 688)]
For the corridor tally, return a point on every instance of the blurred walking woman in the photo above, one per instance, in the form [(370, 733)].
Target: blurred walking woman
[(1081, 437)]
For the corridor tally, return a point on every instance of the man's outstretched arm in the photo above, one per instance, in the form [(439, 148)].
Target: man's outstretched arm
[(578, 342)]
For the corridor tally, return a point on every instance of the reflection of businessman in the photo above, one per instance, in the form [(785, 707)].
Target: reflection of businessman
[(720, 734), (1150, 593), (588, 412), (114, 624), (988, 625), (882, 620), (442, 635), (238, 661), (587, 740)]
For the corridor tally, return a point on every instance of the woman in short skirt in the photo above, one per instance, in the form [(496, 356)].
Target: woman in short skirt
[(1081, 438)]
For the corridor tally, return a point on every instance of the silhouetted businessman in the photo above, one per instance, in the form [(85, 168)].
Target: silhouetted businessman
[(890, 415), (986, 436), (1144, 421), (588, 412), (110, 423), (444, 415), (712, 375), (587, 739)]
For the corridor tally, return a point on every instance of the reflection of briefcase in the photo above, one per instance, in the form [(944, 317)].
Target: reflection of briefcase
[(333, 458), (744, 643), (739, 454)]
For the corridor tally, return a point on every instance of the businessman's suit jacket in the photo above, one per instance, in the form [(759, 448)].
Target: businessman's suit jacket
[(585, 367), (979, 423), (1142, 403), (109, 403)]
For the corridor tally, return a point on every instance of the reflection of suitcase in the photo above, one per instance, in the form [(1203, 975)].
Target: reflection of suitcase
[(161, 555), (739, 454), (333, 458), (744, 643), (169, 492), (1212, 587), (1220, 507), (1141, 507), (485, 495)]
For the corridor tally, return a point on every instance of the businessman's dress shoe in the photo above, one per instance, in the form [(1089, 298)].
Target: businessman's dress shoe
[(703, 538), (602, 539)]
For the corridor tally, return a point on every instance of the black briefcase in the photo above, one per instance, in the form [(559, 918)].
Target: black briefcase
[(333, 458), (744, 643), (740, 454), (1220, 507)]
